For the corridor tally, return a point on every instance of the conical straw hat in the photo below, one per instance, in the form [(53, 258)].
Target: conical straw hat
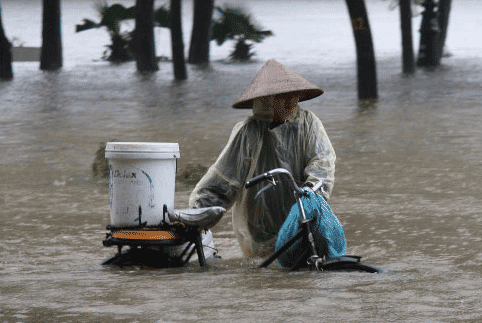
[(274, 78)]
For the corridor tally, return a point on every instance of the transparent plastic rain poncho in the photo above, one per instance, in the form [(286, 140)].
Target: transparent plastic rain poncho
[(300, 145)]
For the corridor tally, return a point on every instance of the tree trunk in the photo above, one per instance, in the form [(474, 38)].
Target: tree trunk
[(5, 54), (51, 52), (443, 21), (408, 58), (433, 32), (367, 75), (201, 32), (428, 34), (177, 42), (144, 37)]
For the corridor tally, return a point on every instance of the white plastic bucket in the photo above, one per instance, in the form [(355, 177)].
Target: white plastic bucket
[(142, 179)]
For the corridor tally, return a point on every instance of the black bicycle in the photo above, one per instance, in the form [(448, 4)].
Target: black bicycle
[(305, 233)]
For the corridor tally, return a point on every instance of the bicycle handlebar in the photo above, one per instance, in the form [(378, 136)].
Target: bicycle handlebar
[(269, 175), (255, 180)]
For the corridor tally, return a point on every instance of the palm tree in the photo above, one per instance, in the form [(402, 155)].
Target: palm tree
[(123, 45), (51, 52), (5, 54), (235, 24), (201, 32), (444, 7), (144, 36), (366, 66), (177, 42), (433, 32), (111, 18), (408, 58)]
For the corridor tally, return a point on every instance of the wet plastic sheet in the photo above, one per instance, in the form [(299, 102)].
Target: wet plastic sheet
[(327, 231)]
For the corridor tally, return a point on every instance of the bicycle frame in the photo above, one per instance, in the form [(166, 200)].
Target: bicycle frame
[(314, 260), (347, 262)]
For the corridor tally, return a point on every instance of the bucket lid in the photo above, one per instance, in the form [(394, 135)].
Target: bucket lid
[(136, 148)]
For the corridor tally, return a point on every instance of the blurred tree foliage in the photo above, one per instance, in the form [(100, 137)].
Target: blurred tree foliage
[(122, 47), (235, 24)]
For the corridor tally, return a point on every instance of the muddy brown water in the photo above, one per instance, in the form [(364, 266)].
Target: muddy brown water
[(407, 192), (407, 187)]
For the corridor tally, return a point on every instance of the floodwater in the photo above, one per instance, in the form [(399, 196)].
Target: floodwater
[(407, 187)]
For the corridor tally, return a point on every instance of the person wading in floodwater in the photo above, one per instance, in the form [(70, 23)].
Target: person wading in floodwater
[(278, 135)]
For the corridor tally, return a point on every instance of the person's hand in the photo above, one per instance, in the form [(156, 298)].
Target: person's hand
[(307, 189)]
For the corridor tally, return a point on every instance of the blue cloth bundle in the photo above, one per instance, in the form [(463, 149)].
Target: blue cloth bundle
[(327, 231)]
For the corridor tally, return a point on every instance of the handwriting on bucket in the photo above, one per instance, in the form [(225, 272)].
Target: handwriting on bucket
[(124, 174)]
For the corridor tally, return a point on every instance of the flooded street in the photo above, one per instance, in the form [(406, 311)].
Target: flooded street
[(407, 189)]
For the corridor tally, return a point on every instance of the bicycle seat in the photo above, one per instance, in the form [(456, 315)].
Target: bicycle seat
[(205, 217)]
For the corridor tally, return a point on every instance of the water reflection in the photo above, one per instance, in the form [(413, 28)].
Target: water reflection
[(367, 107), (49, 92)]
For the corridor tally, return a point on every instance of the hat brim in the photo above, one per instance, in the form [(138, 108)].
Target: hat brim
[(304, 95), (272, 79)]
